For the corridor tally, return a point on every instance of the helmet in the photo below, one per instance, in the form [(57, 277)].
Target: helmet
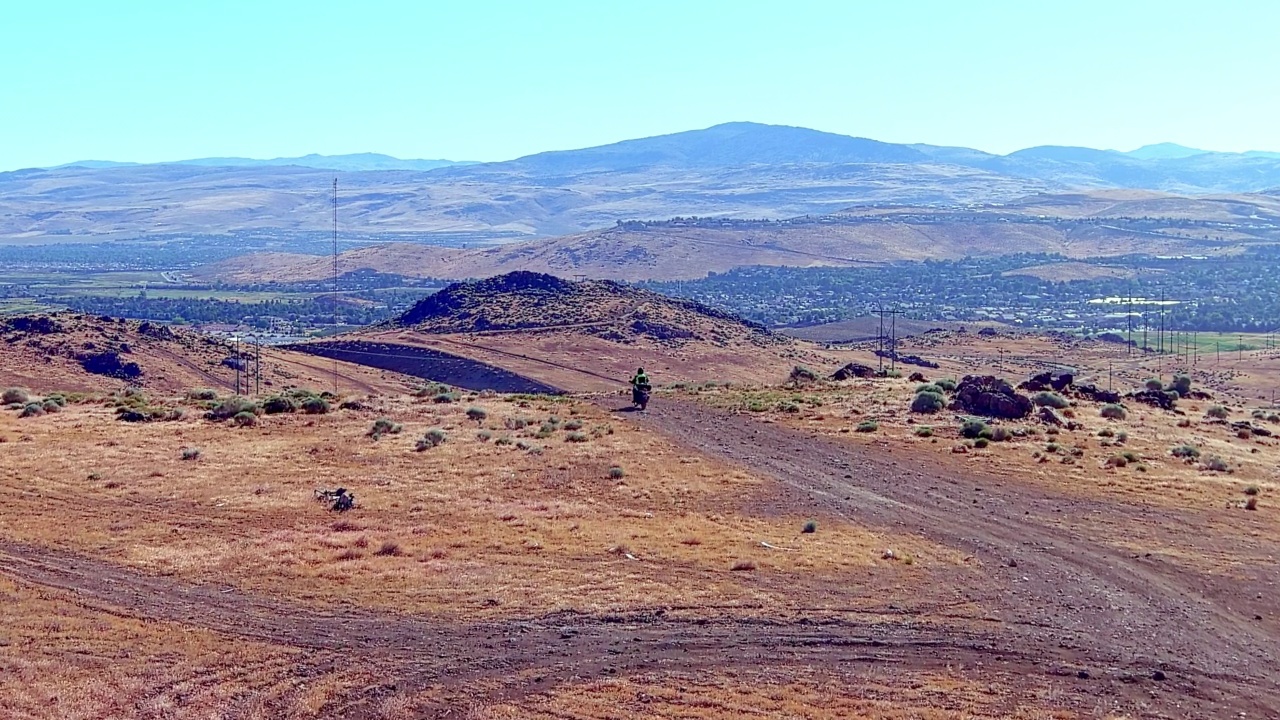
[(640, 371)]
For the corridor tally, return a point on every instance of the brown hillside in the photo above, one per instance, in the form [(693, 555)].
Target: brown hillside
[(586, 336), (1080, 225), (79, 353)]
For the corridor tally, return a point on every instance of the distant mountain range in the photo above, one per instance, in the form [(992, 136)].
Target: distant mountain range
[(730, 170), (347, 163)]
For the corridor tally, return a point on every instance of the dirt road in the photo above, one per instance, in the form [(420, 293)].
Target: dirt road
[(1114, 630)]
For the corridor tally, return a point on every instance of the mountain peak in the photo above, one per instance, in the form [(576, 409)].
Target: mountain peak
[(1164, 151)]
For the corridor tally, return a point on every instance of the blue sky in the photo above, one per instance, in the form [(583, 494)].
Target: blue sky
[(490, 80)]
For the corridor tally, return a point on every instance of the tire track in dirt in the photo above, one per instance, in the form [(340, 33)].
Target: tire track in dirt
[(1054, 588), (1071, 604)]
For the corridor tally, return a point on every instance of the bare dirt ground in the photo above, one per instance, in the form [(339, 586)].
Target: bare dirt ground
[(1016, 602)]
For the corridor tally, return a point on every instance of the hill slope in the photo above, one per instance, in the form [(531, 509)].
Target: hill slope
[(1076, 225), (581, 336), (734, 170), (80, 353)]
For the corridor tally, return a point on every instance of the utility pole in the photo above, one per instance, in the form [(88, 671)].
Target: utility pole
[(893, 332), (880, 343), (1161, 321), (1128, 318), (335, 281)]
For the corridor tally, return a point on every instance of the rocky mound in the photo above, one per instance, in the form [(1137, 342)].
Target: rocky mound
[(990, 396), (528, 301)]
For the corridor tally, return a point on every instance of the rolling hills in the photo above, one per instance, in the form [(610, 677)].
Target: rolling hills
[(1075, 225), (569, 335), (738, 170)]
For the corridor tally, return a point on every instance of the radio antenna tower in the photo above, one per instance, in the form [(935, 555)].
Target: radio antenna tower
[(335, 280)]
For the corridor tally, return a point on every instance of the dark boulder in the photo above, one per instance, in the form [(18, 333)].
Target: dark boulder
[(853, 370), (1047, 381), (990, 396), (1096, 394), (1163, 399), (110, 364)]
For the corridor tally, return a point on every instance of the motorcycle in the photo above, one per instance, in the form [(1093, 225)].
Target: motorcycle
[(640, 395)]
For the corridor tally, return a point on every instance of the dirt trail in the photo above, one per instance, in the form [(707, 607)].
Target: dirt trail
[(1055, 588), (1070, 606)]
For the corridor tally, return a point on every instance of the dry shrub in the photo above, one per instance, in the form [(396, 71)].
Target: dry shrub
[(388, 549), (743, 565), (350, 554)]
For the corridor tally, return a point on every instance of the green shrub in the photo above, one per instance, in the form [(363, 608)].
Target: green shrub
[(1117, 461), (57, 399), (32, 409), (981, 442), (383, 426), (810, 527), (433, 389), (1181, 384), (928, 402), (973, 428), (1185, 451), (868, 426), (1000, 434), (757, 406), (504, 440), (1154, 385), (1106, 433), (924, 431), (787, 406), (277, 404), (477, 415), (484, 436), (244, 419), (1251, 490), (801, 375), (51, 406), (433, 438), (1052, 448), (202, 394), (1113, 411), (1216, 464), (947, 384), (445, 398), (573, 425), (315, 406), (1122, 436), (576, 437), (929, 388), (1274, 418), (1050, 399), (517, 423), (190, 453), (230, 407), (1217, 411), (14, 396)]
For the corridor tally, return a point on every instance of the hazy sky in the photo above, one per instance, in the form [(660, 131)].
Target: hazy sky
[(469, 79)]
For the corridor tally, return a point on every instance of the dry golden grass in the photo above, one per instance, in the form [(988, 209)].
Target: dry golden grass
[(1215, 533), (479, 527), (62, 658), (804, 693)]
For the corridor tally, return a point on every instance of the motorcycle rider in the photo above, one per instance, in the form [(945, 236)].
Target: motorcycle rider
[(639, 384)]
